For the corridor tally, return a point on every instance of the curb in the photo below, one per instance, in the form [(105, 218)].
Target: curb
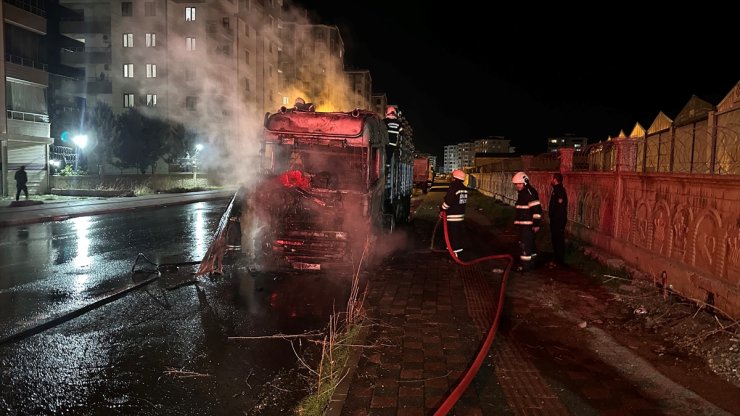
[(337, 400), (99, 208)]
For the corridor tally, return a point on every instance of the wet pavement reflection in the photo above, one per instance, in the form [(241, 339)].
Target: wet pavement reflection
[(161, 349)]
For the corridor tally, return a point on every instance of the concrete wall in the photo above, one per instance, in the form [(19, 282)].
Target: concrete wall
[(130, 182)]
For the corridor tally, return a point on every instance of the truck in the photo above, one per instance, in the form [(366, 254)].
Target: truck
[(423, 173), (330, 183)]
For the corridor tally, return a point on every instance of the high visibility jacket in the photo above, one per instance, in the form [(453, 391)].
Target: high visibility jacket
[(394, 130), (455, 201), (528, 207)]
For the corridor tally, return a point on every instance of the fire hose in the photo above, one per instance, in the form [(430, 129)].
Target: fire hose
[(472, 370)]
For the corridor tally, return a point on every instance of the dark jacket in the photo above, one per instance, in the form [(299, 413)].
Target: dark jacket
[(528, 207), (394, 130), (557, 209), (21, 178), (455, 201)]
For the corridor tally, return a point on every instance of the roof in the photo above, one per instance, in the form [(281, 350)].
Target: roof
[(319, 123)]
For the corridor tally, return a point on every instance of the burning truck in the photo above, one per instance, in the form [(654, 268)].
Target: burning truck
[(331, 183)]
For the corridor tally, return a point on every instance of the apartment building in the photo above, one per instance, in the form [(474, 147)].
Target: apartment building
[(197, 62), (24, 125), (567, 140), (379, 103), (312, 66), (361, 85)]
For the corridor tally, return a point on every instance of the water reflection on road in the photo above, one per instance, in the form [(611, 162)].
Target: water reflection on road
[(162, 349)]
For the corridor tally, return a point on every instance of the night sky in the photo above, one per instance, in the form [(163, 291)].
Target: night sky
[(528, 73)]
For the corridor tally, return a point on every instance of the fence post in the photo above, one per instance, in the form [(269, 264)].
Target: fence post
[(626, 154), (527, 162), (566, 159)]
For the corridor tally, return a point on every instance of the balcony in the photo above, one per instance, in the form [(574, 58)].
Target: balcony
[(31, 18), (87, 56), (80, 27), (28, 124)]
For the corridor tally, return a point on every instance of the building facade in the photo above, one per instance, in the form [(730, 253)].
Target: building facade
[(24, 125)]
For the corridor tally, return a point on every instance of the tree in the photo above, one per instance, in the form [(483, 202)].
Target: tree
[(178, 142), (100, 125), (139, 141)]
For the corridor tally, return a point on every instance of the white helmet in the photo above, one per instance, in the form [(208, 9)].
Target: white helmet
[(458, 174), (520, 177)]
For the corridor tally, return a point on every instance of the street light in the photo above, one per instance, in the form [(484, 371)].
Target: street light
[(80, 142)]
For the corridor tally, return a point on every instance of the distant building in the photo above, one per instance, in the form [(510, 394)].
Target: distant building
[(379, 103), (568, 140), (451, 158), (463, 155), (493, 144), (361, 85)]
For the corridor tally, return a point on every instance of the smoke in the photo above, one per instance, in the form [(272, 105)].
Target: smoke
[(219, 74)]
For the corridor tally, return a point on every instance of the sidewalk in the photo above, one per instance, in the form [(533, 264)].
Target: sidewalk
[(554, 352), (61, 210)]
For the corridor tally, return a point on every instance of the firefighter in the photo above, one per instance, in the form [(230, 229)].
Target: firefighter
[(301, 105), (393, 125), (527, 219), (454, 205)]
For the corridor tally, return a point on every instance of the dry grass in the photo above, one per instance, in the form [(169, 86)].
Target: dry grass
[(336, 348)]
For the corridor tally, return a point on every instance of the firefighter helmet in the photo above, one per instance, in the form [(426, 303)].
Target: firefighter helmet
[(458, 174), (390, 111), (520, 177), (299, 101)]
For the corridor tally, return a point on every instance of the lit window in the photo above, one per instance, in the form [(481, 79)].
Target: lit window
[(151, 100), (128, 100), (151, 70), (190, 44), (151, 40), (128, 40), (127, 8), (189, 14), (149, 9), (128, 70)]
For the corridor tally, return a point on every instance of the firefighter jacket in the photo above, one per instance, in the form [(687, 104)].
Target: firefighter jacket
[(557, 209), (528, 207), (455, 201), (394, 130)]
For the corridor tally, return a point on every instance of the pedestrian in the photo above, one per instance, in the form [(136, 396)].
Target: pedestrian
[(454, 205), (21, 178), (557, 210), (527, 220)]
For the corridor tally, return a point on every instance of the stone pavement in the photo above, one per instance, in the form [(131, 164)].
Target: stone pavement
[(427, 317)]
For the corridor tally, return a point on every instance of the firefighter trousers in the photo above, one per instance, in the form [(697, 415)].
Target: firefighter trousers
[(455, 230), (526, 243)]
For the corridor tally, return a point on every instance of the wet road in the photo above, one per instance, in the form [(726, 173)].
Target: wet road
[(160, 349)]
